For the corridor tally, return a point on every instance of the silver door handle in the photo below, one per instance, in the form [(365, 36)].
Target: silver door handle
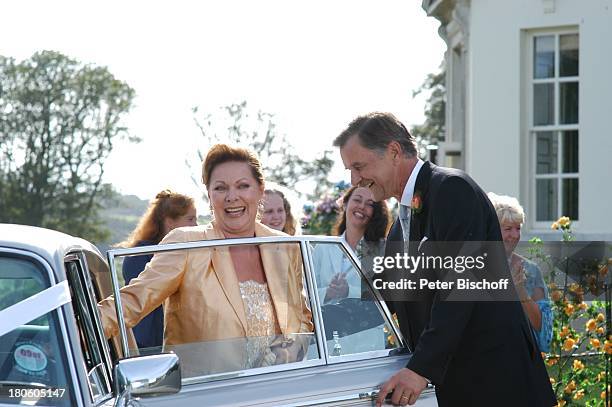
[(374, 393), (369, 394)]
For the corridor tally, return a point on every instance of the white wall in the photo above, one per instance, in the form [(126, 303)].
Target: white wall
[(497, 156)]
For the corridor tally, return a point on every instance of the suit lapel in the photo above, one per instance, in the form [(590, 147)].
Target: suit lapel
[(276, 267), (224, 269)]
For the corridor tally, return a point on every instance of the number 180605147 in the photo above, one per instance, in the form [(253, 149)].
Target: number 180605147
[(36, 393)]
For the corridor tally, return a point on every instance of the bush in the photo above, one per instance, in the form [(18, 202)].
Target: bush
[(579, 358)]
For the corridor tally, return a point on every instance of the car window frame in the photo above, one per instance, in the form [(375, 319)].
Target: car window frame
[(151, 249), (61, 313), (402, 347), (304, 242), (84, 288)]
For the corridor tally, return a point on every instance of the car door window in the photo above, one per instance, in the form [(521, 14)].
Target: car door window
[(100, 286), (221, 316), (96, 362), (353, 320), (33, 364)]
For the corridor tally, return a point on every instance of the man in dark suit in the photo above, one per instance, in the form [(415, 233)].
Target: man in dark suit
[(476, 353)]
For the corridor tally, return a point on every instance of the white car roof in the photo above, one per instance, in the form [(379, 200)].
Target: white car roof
[(48, 244)]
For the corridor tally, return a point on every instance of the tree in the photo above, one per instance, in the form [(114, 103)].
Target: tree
[(58, 122), (280, 161), (432, 130)]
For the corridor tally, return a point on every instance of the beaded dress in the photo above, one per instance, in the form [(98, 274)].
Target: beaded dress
[(261, 322)]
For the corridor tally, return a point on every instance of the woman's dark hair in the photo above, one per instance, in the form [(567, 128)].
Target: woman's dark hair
[(377, 227), (222, 153)]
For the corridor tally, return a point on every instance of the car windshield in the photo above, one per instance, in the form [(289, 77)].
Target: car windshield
[(33, 368)]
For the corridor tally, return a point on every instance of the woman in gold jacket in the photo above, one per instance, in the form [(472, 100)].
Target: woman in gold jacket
[(230, 307)]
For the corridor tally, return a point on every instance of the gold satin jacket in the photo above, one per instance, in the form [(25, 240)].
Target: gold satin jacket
[(200, 292)]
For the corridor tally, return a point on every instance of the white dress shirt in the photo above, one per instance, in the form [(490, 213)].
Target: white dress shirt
[(406, 201)]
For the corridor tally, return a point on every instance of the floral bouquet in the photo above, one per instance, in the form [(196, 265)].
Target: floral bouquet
[(319, 217)]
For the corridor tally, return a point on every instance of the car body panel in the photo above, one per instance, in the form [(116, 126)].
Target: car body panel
[(334, 381), (332, 385)]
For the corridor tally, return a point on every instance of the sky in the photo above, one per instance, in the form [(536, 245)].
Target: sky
[(315, 65)]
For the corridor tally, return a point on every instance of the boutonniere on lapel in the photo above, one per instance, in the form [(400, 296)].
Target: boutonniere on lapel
[(416, 205)]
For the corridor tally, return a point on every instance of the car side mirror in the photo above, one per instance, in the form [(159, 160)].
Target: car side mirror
[(147, 376)]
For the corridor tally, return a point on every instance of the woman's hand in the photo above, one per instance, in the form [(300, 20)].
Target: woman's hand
[(517, 271), (287, 351), (268, 359), (337, 288), (519, 277)]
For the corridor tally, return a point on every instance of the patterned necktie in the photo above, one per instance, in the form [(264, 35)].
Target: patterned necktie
[(404, 215)]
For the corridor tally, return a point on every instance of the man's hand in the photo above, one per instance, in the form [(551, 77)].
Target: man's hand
[(406, 386)]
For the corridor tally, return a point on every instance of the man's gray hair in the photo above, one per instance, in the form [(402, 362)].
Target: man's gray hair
[(376, 130)]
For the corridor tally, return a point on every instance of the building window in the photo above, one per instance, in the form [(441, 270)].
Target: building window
[(554, 125)]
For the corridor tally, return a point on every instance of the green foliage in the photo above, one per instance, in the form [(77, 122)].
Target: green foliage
[(432, 130), (58, 122), (320, 217), (257, 131), (579, 358)]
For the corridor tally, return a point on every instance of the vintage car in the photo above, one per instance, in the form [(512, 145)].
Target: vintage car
[(53, 351)]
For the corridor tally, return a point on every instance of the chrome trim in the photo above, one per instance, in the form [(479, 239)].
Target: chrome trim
[(317, 315), (61, 320), (98, 382), (111, 254), (329, 400), (381, 301), (320, 361), (118, 308), (219, 242), (82, 289), (80, 255), (372, 395), (104, 400), (96, 315), (352, 357), (305, 241), (293, 366), (359, 397), (147, 376), (387, 314)]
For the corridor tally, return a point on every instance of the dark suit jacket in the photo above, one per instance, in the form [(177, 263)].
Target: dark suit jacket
[(476, 353)]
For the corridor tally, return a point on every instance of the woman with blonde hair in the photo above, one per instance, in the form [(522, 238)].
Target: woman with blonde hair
[(166, 212), (526, 275), (277, 212)]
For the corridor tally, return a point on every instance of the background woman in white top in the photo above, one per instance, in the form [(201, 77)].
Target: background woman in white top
[(363, 223)]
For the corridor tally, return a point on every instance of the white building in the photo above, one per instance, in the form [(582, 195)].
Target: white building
[(529, 88)]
